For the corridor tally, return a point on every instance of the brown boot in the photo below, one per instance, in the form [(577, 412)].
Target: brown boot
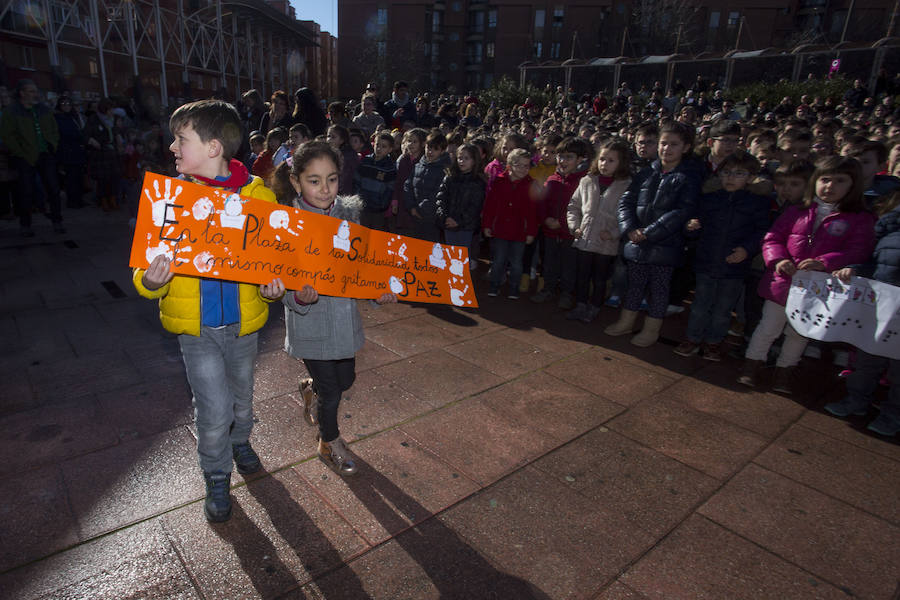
[(750, 372), (782, 380)]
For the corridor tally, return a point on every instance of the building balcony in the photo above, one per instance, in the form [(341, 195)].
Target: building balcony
[(474, 66), (475, 36)]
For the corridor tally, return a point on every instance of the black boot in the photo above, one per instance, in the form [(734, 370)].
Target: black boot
[(245, 458), (217, 506)]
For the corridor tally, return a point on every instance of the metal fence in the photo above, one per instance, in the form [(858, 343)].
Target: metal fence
[(733, 69)]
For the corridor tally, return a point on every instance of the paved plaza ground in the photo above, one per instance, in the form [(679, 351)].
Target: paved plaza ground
[(504, 453)]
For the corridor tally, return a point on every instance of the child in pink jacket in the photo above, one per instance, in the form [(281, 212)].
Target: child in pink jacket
[(831, 230)]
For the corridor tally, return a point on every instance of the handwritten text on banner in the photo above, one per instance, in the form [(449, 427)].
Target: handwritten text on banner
[(212, 233)]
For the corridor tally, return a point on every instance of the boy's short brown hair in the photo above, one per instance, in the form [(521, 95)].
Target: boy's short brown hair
[(385, 137), (741, 160), (575, 145), (436, 139), (799, 168), (212, 120), (857, 148)]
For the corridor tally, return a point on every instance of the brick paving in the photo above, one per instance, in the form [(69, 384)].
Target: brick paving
[(504, 453)]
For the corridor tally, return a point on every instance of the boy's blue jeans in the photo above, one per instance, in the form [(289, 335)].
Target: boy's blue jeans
[(219, 365), (714, 300), (503, 252)]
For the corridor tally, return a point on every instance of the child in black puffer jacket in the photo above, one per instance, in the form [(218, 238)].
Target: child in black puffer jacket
[(460, 198), (862, 382)]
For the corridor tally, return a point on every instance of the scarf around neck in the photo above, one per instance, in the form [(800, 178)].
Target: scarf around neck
[(239, 177)]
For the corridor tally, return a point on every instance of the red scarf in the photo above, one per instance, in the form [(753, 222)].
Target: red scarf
[(239, 177), (604, 181)]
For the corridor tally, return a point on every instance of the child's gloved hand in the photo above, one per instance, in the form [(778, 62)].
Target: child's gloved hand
[(272, 291), (811, 264), (308, 295), (844, 274), (786, 267), (158, 273), (737, 255)]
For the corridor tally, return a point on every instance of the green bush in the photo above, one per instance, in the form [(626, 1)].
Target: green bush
[(505, 93), (774, 92)]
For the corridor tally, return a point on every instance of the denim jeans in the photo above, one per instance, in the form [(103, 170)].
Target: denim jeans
[(30, 177), (219, 365), (862, 383), (331, 378), (503, 252), (559, 265), (714, 300)]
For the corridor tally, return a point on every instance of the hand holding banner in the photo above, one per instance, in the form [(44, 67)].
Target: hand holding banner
[(212, 233)]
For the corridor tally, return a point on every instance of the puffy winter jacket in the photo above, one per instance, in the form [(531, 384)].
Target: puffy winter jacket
[(660, 204), (420, 190), (179, 300), (510, 209), (884, 265), (729, 220), (374, 182), (593, 209), (558, 190), (841, 240), (461, 198)]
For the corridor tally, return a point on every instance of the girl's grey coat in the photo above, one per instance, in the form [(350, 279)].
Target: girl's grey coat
[(331, 327)]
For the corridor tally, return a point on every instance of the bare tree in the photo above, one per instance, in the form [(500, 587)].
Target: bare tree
[(665, 26)]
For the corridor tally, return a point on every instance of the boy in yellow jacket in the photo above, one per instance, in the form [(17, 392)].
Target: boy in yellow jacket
[(216, 321)]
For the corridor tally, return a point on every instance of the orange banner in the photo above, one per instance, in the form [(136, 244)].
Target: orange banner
[(212, 233)]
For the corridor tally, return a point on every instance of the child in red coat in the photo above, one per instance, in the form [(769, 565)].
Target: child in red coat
[(510, 220)]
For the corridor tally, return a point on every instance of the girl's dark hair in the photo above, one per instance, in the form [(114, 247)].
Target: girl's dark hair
[(477, 168), (280, 183), (517, 140), (279, 95), (309, 151), (621, 147), (308, 111), (345, 133), (834, 165)]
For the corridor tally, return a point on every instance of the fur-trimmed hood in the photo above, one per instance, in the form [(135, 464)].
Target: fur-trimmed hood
[(346, 208)]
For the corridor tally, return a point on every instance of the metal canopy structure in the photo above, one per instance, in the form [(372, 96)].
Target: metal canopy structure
[(243, 43)]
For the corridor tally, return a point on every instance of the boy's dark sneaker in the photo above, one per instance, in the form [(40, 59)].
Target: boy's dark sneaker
[(782, 380), (847, 407), (885, 425), (245, 458), (712, 352), (217, 506), (687, 348), (750, 372), (494, 292), (514, 295)]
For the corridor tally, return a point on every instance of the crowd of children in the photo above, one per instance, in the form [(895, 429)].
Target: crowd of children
[(577, 205)]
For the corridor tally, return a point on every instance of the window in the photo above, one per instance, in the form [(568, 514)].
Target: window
[(488, 79), (436, 22), (489, 49), (539, 16), (554, 50), (492, 18), (382, 16), (476, 21), (382, 49), (837, 21), (714, 17), (456, 7), (93, 68), (733, 19), (454, 37), (558, 13), (475, 53), (27, 58), (538, 49), (435, 52)]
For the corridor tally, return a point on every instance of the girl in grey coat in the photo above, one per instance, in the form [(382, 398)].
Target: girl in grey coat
[(325, 332)]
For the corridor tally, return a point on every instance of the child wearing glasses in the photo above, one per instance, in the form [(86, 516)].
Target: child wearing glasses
[(731, 223)]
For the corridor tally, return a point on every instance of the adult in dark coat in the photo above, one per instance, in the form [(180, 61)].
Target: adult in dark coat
[(30, 134), (102, 153), (308, 111), (400, 100), (279, 114), (71, 153)]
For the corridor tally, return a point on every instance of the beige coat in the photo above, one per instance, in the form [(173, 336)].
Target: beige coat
[(594, 213)]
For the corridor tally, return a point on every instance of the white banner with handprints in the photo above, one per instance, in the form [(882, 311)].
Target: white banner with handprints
[(864, 312)]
